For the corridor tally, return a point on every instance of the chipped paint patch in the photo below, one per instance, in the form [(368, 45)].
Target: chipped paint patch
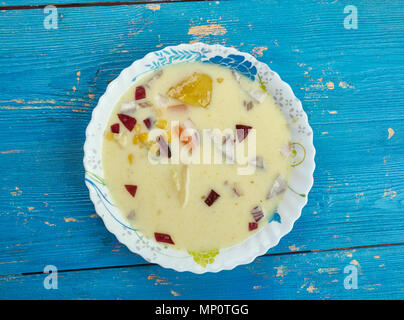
[(157, 280), (330, 85), (281, 271), (344, 85), (311, 288), (13, 100), (153, 7), (354, 262), (332, 112), (199, 32), (34, 108), (391, 133), (389, 193), (94, 215), (175, 294), (165, 44), (11, 151), (324, 133), (49, 224), (259, 51), (294, 248), (327, 270), (17, 192), (5, 262), (350, 253), (70, 220)]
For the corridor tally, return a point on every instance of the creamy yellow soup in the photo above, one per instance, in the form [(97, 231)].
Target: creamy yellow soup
[(159, 152)]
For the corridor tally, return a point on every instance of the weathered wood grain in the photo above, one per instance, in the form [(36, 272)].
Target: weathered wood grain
[(48, 216), (300, 276), (33, 4), (348, 80), (341, 75)]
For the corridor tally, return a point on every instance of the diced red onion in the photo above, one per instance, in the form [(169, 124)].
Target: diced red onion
[(164, 147), (128, 121), (140, 93), (278, 187), (252, 226), (115, 128), (131, 189), (212, 197), (163, 237), (242, 131), (257, 213)]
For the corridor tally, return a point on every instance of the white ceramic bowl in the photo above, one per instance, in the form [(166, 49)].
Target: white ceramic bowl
[(288, 211)]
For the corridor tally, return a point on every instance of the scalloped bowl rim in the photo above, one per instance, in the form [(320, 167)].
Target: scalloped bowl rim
[(239, 259)]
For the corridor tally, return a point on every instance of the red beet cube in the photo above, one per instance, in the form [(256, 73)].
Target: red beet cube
[(128, 121), (115, 128), (252, 226), (131, 189), (212, 197), (140, 93), (148, 122), (242, 131), (162, 237)]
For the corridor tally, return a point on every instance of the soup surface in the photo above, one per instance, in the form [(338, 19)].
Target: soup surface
[(196, 156)]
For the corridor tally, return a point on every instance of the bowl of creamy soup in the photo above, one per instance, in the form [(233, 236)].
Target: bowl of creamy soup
[(199, 158)]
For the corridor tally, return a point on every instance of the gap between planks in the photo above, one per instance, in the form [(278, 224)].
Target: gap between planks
[(96, 4), (265, 255)]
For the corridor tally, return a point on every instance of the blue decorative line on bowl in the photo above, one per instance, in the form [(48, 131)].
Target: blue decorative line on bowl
[(102, 197), (236, 62), (232, 61), (275, 217), (168, 56)]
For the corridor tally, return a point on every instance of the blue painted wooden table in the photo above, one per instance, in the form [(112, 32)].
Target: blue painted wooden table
[(349, 78)]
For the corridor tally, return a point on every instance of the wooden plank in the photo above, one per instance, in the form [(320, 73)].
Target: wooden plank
[(51, 80), (356, 199), (33, 4), (330, 68), (320, 275)]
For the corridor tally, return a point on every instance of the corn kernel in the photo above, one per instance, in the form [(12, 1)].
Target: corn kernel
[(154, 148), (166, 136), (109, 136), (159, 112), (144, 137), (130, 158), (137, 127), (135, 139), (161, 123)]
